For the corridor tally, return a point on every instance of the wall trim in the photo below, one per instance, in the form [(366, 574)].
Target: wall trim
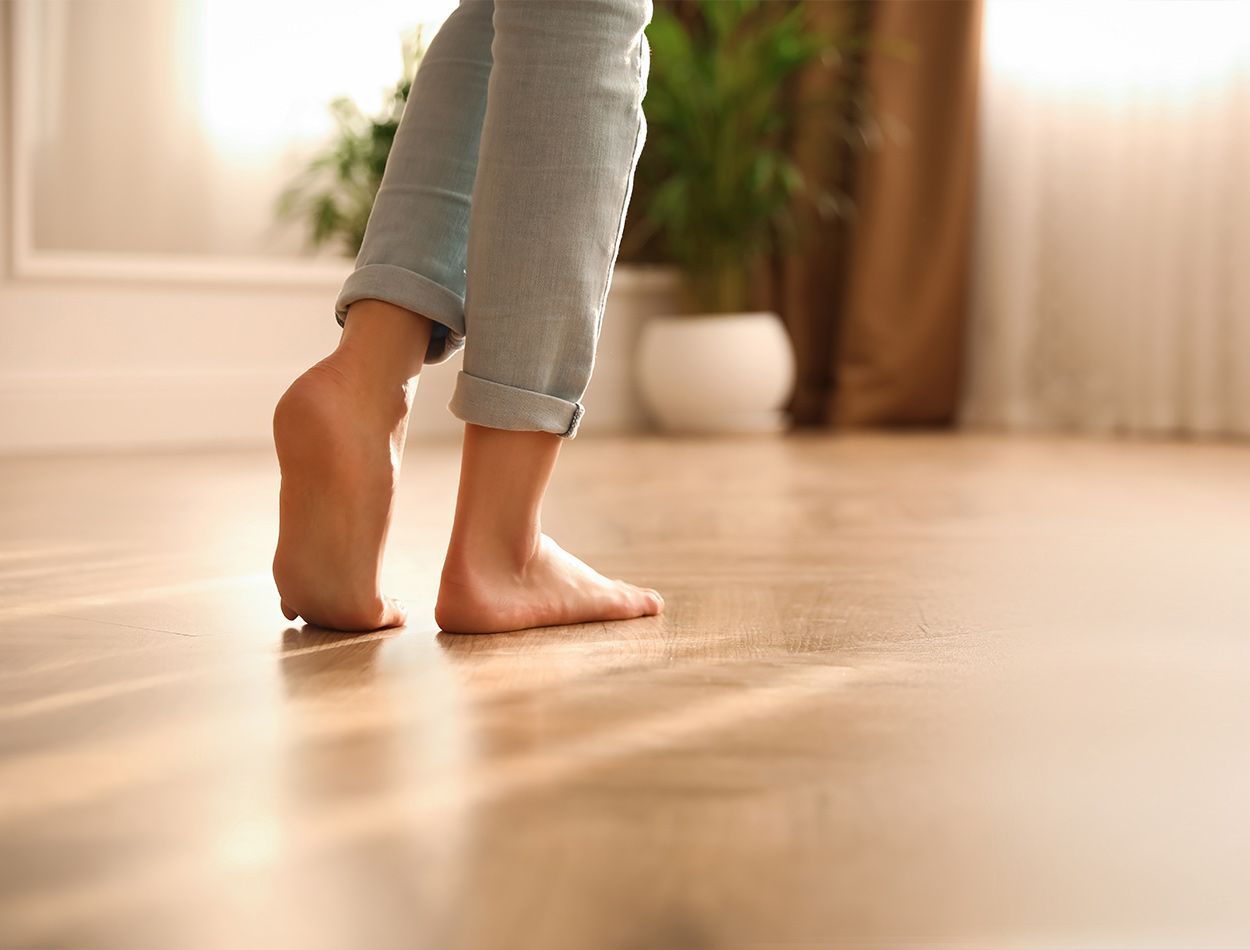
[(92, 411), (181, 398)]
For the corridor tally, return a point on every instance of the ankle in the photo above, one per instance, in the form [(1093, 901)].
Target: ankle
[(388, 342), (340, 389), (491, 550)]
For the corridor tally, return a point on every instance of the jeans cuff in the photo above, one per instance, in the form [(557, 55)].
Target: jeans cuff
[(410, 290), (499, 406)]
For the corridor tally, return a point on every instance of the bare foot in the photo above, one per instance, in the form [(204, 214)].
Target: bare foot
[(502, 572), (339, 431), (482, 593)]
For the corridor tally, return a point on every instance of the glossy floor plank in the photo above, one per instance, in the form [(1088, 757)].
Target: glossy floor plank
[(917, 690)]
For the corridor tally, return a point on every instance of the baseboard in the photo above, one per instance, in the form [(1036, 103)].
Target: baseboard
[(141, 409), (224, 408), (200, 398)]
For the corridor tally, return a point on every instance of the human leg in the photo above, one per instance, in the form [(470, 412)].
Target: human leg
[(340, 429), (560, 141)]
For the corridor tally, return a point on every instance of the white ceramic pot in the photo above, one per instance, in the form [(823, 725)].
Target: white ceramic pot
[(721, 373)]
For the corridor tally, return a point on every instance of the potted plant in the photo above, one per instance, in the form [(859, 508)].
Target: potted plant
[(335, 192), (719, 191)]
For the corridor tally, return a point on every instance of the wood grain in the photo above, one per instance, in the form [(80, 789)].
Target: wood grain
[(909, 690)]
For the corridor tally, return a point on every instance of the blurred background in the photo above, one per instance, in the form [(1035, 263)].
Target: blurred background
[(1002, 215)]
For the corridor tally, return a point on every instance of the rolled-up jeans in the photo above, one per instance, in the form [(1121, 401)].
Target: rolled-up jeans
[(500, 212)]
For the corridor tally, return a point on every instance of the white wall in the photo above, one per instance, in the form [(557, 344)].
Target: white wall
[(96, 362), (103, 364)]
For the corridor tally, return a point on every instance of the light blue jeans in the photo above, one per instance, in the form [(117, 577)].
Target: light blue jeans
[(500, 213)]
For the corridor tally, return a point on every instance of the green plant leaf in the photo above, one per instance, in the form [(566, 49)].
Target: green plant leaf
[(718, 181), (335, 191)]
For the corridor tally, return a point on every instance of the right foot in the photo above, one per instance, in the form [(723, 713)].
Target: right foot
[(339, 443), (490, 592)]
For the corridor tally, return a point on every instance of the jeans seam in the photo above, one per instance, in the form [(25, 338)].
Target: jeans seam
[(578, 411), (636, 153)]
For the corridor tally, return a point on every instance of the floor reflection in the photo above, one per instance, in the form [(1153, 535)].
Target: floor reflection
[(378, 754), (315, 660)]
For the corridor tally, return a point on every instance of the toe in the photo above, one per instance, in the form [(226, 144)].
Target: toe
[(643, 601), (395, 614), (288, 612)]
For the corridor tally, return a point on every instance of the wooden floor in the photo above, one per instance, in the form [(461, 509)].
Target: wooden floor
[(909, 691)]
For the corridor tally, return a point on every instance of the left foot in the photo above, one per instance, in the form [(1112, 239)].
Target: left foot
[(339, 470), (339, 431)]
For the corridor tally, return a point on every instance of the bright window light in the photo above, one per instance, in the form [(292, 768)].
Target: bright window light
[(265, 72), (1102, 46)]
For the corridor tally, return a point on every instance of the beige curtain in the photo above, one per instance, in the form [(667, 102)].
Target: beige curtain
[(1111, 290), (877, 306)]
